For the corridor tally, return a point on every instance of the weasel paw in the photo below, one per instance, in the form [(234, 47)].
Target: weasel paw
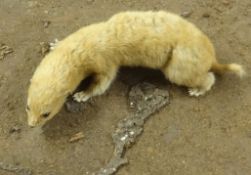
[(80, 97), (53, 44), (196, 92)]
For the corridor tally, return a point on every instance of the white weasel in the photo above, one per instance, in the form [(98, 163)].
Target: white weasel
[(157, 40)]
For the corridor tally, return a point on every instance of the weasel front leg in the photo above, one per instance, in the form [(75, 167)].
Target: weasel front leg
[(100, 84)]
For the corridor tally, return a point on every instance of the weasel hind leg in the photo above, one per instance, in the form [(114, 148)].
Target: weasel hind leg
[(205, 86), (191, 69)]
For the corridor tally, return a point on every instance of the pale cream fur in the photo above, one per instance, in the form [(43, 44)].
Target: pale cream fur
[(157, 40)]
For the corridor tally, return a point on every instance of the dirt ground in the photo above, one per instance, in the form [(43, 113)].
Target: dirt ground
[(210, 135)]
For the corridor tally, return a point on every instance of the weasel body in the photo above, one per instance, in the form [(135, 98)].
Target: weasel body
[(157, 40)]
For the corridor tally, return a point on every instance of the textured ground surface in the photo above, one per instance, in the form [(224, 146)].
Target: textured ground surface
[(210, 135)]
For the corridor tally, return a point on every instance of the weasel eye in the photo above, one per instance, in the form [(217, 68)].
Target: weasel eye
[(45, 115), (27, 108)]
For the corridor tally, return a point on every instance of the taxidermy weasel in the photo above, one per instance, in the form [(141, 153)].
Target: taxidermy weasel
[(157, 40)]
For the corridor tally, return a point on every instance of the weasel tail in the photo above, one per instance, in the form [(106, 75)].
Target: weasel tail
[(232, 68)]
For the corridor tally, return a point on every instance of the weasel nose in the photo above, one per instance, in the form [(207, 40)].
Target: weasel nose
[(32, 123)]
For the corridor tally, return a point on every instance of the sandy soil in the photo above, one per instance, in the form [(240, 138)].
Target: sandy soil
[(210, 135)]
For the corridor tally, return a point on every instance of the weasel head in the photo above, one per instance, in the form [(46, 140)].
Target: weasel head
[(57, 76), (48, 90), (43, 102)]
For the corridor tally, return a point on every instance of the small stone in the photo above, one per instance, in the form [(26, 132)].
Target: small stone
[(206, 15), (46, 24), (14, 129), (5, 50), (226, 2), (186, 14), (76, 137)]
